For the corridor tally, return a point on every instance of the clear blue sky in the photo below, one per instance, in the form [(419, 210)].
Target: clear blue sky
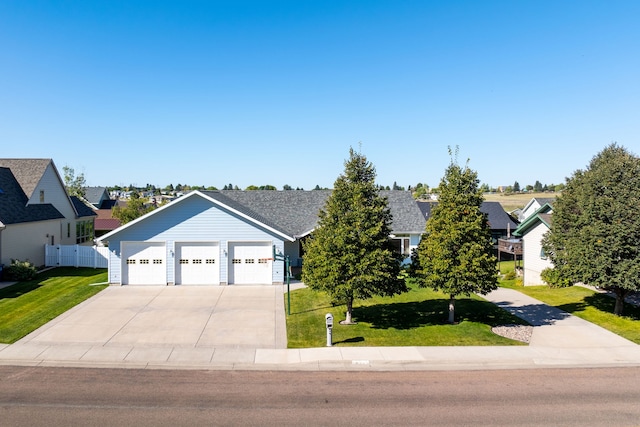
[(276, 92)]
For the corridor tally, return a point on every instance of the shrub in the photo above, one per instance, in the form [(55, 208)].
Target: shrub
[(20, 271), (551, 277)]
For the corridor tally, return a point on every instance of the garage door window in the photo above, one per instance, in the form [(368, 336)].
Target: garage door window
[(210, 261), (157, 261), (249, 261), (131, 261), (236, 261)]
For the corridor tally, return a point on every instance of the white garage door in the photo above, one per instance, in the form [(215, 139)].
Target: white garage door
[(197, 263), (250, 263), (144, 263)]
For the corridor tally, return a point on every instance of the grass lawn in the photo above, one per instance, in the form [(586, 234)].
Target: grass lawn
[(26, 306), (416, 318), (587, 304)]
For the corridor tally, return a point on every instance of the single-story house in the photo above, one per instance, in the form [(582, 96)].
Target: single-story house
[(36, 210), (532, 230), (230, 237)]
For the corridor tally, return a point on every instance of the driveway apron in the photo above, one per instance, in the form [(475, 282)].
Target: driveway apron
[(172, 316)]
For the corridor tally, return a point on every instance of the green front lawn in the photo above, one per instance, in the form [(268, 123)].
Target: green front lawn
[(416, 318), (587, 304), (26, 306)]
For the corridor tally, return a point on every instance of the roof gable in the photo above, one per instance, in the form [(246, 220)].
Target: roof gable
[(541, 215), (13, 203), (27, 172)]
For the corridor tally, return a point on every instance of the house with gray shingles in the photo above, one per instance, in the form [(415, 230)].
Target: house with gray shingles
[(36, 210), (230, 237), (532, 230), (500, 222), (103, 205)]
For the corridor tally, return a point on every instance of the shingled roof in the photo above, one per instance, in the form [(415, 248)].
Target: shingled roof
[(295, 212), (27, 172), (498, 218), (13, 202)]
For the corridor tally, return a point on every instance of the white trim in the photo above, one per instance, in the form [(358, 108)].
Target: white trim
[(204, 196)]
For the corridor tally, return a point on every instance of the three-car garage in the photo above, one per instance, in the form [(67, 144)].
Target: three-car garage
[(196, 263)]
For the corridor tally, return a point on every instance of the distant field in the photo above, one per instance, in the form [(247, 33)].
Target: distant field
[(511, 202)]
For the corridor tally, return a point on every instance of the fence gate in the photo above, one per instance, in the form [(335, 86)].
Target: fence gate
[(76, 256)]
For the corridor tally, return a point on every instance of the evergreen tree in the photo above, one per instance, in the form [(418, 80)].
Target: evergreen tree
[(595, 228), (537, 187), (455, 254), (350, 255)]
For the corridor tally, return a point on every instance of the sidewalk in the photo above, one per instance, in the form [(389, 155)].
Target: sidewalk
[(558, 340)]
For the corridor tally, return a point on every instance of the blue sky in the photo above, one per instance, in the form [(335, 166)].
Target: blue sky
[(276, 92)]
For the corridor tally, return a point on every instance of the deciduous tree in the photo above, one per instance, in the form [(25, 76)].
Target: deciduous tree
[(595, 225), (455, 254), (349, 254)]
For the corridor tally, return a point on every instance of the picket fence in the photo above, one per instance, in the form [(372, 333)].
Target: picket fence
[(76, 256)]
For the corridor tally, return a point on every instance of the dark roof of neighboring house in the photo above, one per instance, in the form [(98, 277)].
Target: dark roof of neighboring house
[(295, 212), (27, 172), (108, 204), (81, 208), (498, 218), (95, 195), (13, 203)]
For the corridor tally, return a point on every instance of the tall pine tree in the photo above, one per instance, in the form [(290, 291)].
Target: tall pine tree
[(349, 255), (455, 254)]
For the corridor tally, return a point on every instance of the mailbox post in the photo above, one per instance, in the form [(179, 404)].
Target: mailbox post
[(328, 319)]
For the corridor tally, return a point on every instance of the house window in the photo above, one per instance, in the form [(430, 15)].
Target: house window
[(543, 254), (68, 230), (84, 231), (41, 196), (402, 245)]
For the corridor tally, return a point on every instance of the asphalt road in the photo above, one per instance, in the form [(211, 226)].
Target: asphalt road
[(32, 396)]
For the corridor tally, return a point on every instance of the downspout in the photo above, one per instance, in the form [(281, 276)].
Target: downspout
[(2, 227)]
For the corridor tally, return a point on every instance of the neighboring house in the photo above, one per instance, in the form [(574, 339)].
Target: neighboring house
[(532, 207), (500, 222), (98, 197), (532, 230), (36, 210), (103, 205), (229, 237)]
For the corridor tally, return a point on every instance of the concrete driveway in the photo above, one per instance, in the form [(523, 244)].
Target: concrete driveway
[(188, 317)]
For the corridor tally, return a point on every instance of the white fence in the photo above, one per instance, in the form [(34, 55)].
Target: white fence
[(76, 256)]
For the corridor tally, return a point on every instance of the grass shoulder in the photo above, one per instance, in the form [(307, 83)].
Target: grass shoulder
[(26, 306)]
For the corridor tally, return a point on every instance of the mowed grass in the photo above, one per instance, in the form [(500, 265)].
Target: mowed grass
[(26, 306), (416, 318), (587, 304)]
